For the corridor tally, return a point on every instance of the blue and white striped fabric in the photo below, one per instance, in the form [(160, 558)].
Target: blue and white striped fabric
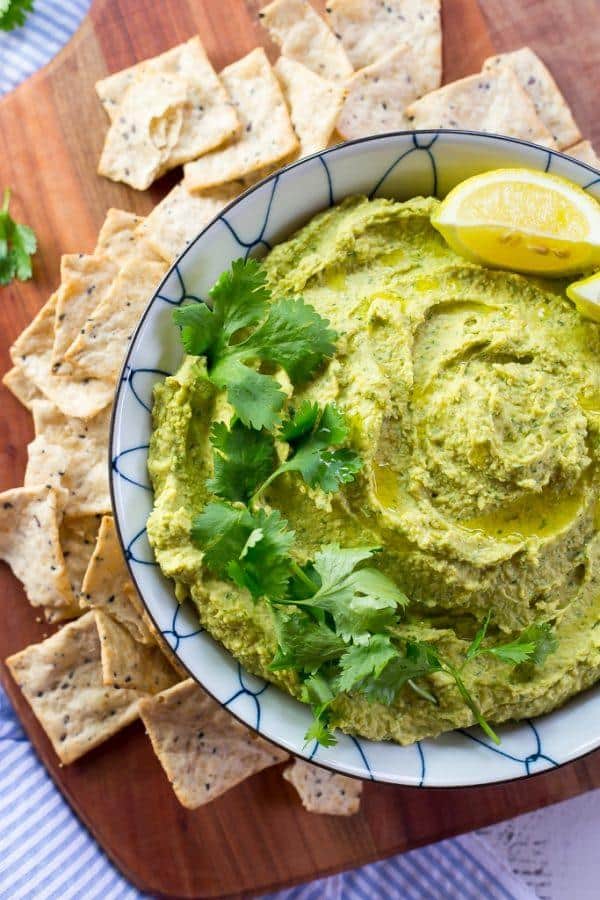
[(45, 852), (48, 28)]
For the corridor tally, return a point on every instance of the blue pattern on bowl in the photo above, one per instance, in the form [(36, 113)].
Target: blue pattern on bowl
[(400, 166)]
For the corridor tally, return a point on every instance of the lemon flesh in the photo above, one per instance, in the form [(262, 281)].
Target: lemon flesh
[(522, 220), (585, 294)]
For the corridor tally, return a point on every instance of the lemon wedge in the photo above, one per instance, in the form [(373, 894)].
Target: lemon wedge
[(585, 294), (522, 220)]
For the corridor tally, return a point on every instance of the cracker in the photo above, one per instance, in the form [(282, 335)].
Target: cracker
[(104, 340), (145, 130), (72, 453), (128, 664), (492, 101), (209, 118), (108, 587), (322, 791), (77, 539), (180, 217), (582, 151), (267, 135), (30, 544), (536, 80), (202, 748), (61, 678), (379, 94), (304, 36), (117, 237), (84, 282), (21, 387), (75, 395), (314, 103), (368, 28)]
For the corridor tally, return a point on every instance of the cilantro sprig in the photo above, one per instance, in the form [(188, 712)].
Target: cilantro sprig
[(13, 13), (244, 331), (17, 245)]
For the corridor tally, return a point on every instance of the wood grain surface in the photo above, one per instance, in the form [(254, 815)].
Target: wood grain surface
[(257, 837)]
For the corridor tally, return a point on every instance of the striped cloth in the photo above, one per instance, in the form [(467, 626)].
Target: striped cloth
[(45, 852)]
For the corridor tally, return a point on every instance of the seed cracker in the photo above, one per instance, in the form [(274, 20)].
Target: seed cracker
[(491, 101), (368, 28), (61, 678), (21, 387), (72, 453), (141, 138), (379, 94), (108, 587), (30, 544), (128, 664), (202, 748), (77, 540), (117, 237), (536, 80), (75, 395), (583, 151), (267, 135), (322, 791), (314, 103), (181, 216), (209, 119), (304, 36)]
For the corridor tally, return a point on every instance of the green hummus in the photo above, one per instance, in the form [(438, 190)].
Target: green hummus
[(473, 398)]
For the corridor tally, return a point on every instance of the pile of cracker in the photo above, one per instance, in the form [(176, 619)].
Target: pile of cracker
[(108, 666)]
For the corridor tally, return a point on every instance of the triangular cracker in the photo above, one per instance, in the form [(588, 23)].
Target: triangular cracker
[(368, 29), (267, 135), (493, 101), (379, 94), (117, 237), (202, 748), (314, 103), (536, 80), (72, 453), (108, 587), (62, 679), (322, 791), (30, 544), (304, 36), (128, 664), (21, 387)]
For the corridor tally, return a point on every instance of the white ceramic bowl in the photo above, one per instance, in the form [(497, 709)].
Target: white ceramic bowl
[(401, 166)]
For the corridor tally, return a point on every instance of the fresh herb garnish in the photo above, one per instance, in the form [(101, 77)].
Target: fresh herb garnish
[(13, 13), (244, 329), (17, 245)]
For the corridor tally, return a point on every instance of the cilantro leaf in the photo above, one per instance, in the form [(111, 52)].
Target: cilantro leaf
[(242, 459), (300, 421), (317, 692), (534, 644), (17, 245), (14, 13), (250, 549), (243, 330), (304, 644), (320, 732), (420, 659), (361, 661), (474, 647)]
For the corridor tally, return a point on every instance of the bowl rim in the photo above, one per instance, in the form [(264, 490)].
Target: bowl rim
[(165, 646)]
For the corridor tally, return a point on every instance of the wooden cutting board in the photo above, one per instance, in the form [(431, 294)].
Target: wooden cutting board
[(257, 837)]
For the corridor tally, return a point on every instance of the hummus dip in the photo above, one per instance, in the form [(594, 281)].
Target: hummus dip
[(473, 398)]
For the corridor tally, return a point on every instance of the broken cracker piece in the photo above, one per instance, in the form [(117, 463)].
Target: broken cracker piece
[(209, 119), (379, 94), (304, 36), (267, 135), (61, 678), (108, 587), (30, 544), (369, 28), (536, 80), (202, 748), (71, 453), (128, 664), (493, 101), (314, 103), (145, 130), (181, 216), (322, 791)]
